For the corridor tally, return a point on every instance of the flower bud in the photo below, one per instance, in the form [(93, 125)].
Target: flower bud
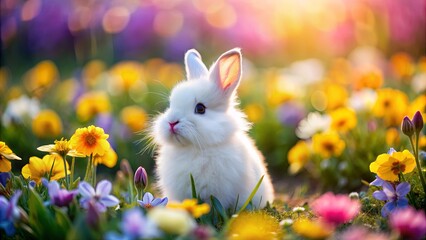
[(141, 178), (126, 168), (93, 216), (407, 127), (418, 122)]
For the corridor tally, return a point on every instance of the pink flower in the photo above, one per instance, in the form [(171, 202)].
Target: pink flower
[(336, 209), (409, 223)]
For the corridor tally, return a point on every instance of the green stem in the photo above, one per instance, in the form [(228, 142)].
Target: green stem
[(67, 182), (416, 157), (88, 170), (72, 170), (131, 189), (93, 172)]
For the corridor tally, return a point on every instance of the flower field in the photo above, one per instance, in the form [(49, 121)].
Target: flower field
[(337, 104)]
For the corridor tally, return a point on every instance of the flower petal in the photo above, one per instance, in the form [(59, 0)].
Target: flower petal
[(380, 195), (103, 188), (53, 188), (86, 190), (148, 198), (109, 201), (389, 190), (403, 189)]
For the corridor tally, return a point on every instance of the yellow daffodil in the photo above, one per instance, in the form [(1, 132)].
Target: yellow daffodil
[(343, 119), (90, 140), (389, 166), (134, 117), (6, 154), (125, 75), (312, 229), (254, 225), (254, 112), (336, 95), (298, 156), (391, 105), (109, 159), (47, 124), (392, 137), (61, 147), (39, 168), (328, 144), (91, 104), (192, 207), (41, 77)]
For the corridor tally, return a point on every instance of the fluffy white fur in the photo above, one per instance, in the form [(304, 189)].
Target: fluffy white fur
[(214, 147)]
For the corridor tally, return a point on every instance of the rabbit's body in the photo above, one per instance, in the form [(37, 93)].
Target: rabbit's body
[(204, 134)]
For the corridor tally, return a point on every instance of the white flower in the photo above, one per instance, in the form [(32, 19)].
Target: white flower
[(17, 109), (298, 209), (418, 84), (313, 123), (363, 100), (286, 222)]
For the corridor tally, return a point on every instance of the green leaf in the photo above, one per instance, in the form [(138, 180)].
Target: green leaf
[(218, 207), (253, 192), (40, 220), (194, 191)]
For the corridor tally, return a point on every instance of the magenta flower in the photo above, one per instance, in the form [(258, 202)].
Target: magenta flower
[(357, 232), (409, 223), (336, 209)]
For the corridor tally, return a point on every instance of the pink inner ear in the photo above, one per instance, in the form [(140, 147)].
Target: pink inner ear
[(229, 70)]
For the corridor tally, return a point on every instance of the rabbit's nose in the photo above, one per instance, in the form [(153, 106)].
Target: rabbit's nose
[(172, 126)]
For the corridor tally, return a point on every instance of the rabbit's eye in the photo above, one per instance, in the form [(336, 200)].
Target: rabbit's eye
[(200, 108)]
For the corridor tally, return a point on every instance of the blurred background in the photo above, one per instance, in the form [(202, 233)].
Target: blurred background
[(69, 64)]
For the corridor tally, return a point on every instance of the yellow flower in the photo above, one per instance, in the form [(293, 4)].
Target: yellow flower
[(298, 156), (91, 104), (254, 225), (391, 104), (369, 79), (389, 166), (169, 74), (392, 137), (402, 65), (91, 72), (422, 143), (61, 147), (328, 144), (41, 77), (276, 89), (38, 168), (125, 75), (134, 117), (109, 159), (418, 104), (192, 207), (90, 140), (254, 112), (312, 229), (6, 154), (343, 119), (337, 96), (47, 124)]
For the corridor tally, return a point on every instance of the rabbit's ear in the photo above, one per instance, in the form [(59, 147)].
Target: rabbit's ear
[(226, 72), (195, 68)]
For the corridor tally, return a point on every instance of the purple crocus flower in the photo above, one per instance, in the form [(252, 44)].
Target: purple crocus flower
[(9, 213), (4, 178), (59, 197), (101, 198), (395, 196), (148, 201)]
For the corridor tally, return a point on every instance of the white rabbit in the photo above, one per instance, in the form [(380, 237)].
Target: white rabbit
[(203, 133)]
